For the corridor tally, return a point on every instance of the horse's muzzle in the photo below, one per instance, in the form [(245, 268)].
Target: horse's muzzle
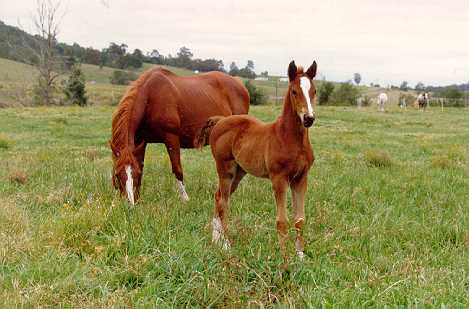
[(308, 120)]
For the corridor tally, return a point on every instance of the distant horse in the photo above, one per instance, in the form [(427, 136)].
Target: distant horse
[(382, 99), (161, 107), (280, 151), (422, 100)]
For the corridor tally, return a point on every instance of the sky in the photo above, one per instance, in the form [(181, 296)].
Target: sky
[(387, 42)]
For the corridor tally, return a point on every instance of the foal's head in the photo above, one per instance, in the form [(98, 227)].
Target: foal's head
[(302, 92)]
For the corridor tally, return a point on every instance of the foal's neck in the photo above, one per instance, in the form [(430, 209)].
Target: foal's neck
[(290, 124)]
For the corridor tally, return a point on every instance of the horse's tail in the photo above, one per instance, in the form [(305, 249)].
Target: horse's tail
[(203, 137), (126, 120)]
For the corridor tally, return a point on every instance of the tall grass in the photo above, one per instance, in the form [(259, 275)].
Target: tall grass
[(375, 236)]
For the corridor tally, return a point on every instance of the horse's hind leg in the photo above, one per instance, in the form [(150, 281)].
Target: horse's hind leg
[(174, 150), (239, 174), (298, 189), (226, 174)]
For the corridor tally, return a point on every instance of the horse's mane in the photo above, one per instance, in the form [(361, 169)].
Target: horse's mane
[(121, 152)]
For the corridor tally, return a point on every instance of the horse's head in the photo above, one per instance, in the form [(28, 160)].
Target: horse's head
[(302, 92), (127, 171)]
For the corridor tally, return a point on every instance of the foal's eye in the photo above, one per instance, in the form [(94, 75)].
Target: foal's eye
[(294, 92)]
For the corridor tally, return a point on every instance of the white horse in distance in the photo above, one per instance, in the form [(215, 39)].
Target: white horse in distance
[(382, 99)]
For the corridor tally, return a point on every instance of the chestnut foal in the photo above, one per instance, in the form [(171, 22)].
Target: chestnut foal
[(280, 151)]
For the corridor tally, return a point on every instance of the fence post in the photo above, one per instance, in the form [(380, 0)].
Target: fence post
[(276, 91)]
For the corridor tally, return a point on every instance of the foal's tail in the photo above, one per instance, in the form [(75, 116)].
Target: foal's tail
[(204, 135)]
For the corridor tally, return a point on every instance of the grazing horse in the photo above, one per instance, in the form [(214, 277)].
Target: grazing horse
[(382, 99), (422, 100), (280, 151), (161, 107)]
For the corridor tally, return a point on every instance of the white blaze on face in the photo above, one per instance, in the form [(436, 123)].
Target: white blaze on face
[(129, 184), (305, 85)]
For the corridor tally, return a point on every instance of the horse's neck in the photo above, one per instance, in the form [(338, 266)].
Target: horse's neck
[(290, 124)]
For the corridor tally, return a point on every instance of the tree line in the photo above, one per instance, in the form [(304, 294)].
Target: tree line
[(18, 45)]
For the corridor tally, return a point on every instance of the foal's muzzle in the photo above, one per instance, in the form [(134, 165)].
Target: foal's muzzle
[(308, 120)]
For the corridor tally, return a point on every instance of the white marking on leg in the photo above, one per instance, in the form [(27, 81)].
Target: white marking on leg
[(182, 191), (129, 184), (305, 85), (300, 254), (217, 230), (218, 234)]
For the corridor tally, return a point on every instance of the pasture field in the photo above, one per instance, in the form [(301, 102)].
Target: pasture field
[(387, 217)]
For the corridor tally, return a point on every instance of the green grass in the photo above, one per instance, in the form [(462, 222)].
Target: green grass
[(375, 236)]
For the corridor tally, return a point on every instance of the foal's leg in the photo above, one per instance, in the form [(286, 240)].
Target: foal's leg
[(298, 189), (173, 147), (240, 173), (226, 174), (279, 185)]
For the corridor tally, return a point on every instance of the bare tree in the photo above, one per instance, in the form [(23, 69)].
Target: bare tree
[(40, 50), (49, 64)]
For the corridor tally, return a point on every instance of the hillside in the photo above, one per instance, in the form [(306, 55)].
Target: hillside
[(16, 82)]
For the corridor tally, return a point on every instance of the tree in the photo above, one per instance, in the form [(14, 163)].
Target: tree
[(184, 57), (404, 86), (325, 92), (420, 86), (256, 96), (265, 74), (250, 65), (92, 56), (156, 57), (344, 94), (49, 64), (357, 78), (234, 70), (75, 87)]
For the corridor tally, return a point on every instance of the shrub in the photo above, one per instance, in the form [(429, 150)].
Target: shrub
[(4, 142), (120, 77), (325, 92), (366, 101), (344, 94), (257, 96), (377, 158), (75, 87)]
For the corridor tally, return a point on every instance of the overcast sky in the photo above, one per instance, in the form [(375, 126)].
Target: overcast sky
[(386, 41)]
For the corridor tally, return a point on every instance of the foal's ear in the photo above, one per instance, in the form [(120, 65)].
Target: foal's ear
[(311, 73), (292, 70)]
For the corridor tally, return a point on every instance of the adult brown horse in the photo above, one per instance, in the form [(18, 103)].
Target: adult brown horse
[(161, 107), (280, 151)]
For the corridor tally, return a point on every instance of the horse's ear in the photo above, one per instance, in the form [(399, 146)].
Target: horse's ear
[(311, 73), (292, 70)]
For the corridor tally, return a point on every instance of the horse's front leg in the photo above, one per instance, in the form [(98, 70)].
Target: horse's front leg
[(173, 147), (298, 189), (280, 185), (140, 157)]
